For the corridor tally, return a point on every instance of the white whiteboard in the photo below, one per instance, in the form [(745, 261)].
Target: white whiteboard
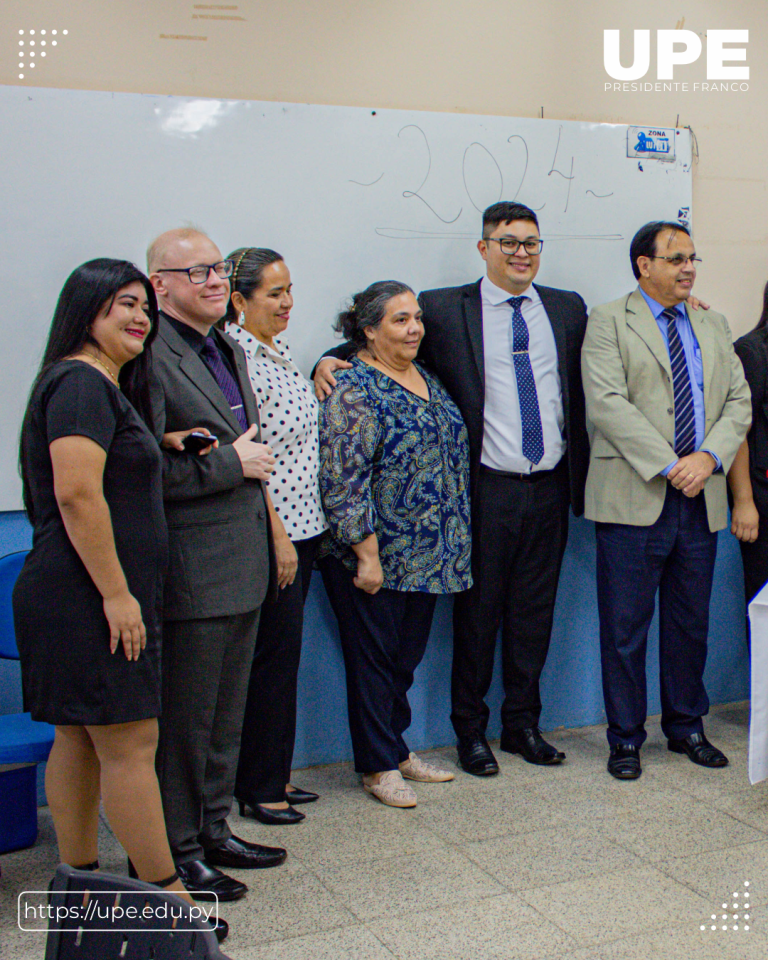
[(348, 195)]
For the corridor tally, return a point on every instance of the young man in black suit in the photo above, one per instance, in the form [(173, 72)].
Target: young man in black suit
[(508, 352)]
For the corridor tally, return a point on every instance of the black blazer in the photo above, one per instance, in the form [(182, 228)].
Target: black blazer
[(220, 541), (453, 348), (752, 350)]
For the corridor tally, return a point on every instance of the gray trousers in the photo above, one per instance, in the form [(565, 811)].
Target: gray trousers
[(206, 665)]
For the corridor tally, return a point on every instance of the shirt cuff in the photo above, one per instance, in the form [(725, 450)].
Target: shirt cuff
[(352, 526), (714, 456)]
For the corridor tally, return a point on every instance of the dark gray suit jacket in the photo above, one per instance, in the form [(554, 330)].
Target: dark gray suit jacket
[(220, 544)]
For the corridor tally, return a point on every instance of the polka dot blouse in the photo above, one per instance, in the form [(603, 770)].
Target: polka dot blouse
[(288, 414)]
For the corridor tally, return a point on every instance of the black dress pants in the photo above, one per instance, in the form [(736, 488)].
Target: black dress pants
[(675, 557), (383, 639), (205, 679), (269, 723), (519, 532)]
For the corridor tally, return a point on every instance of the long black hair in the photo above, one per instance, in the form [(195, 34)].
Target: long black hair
[(89, 289), (762, 323)]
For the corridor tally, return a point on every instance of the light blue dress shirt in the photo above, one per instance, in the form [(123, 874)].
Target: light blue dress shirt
[(502, 421), (693, 362)]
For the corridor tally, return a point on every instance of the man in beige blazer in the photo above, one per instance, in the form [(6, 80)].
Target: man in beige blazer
[(669, 404)]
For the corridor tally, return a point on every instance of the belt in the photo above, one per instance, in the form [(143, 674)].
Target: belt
[(533, 477)]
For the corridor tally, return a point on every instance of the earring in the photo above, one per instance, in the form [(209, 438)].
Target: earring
[(241, 318)]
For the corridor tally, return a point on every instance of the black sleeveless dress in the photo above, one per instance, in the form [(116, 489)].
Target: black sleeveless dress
[(68, 674)]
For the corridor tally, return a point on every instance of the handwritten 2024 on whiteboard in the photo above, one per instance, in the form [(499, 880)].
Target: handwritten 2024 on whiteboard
[(347, 195)]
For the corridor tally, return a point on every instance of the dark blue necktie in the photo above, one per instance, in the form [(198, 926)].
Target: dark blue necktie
[(530, 415), (210, 353), (685, 418)]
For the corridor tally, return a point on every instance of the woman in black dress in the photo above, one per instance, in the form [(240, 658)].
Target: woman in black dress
[(748, 476), (87, 602)]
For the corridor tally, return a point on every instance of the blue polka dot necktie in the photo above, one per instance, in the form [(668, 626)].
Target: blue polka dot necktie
[(685, 418), (530, 415)]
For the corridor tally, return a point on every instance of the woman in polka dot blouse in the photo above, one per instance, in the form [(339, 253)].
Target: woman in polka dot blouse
[(257, 315)]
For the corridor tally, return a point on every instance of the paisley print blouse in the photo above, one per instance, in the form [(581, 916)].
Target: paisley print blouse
[(396, 465)]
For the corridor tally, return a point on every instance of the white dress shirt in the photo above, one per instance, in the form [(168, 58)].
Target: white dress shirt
[(502, 428), (289, 424)]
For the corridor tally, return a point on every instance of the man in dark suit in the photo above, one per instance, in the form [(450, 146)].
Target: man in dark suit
[(219, 561), (509, 354)]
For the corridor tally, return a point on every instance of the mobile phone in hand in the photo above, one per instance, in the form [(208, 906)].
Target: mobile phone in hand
[(195, 442)]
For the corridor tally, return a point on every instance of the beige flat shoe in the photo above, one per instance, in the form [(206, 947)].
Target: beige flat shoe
[(391, 790), (414, 768)]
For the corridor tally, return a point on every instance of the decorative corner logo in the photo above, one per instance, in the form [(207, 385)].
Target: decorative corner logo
[(738, 921), (32, 45), (677, 48)]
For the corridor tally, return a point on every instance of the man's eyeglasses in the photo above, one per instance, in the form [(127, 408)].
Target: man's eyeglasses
[(509, 245), (201, 271), (679, 260)]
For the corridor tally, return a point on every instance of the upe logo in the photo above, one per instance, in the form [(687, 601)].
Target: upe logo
[(677, 47)]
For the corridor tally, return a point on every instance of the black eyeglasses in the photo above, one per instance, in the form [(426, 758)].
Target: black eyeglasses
[(679, 260), (201, 271), (509, 245)]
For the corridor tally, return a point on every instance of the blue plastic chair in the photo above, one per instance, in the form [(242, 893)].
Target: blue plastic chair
[(22, 740)]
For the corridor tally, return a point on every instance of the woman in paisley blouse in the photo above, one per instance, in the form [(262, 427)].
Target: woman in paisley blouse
[(394, 478)]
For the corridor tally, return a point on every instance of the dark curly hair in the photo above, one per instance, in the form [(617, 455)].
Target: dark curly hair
[(367, 310)]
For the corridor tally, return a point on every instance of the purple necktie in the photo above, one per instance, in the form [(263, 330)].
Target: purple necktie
[(210, 353)]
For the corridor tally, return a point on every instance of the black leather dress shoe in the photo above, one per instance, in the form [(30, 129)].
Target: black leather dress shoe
[(247, 856), (272, 817), (221, 929), (624, 762), (300, 796), (699, 750), (475, 756), (202, 881), (532, 747)]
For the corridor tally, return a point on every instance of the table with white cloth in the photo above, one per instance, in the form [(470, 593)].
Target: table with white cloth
[(758, 723)]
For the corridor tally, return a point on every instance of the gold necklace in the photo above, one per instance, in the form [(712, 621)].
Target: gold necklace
[(104, 367)]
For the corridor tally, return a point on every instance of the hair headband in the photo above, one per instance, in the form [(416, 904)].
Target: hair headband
[(237, 265)]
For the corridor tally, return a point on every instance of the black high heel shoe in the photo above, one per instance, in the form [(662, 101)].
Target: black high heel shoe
[(272, 818), (300, 796)]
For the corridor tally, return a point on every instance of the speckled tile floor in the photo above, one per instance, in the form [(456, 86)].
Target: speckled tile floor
[(535, 864)]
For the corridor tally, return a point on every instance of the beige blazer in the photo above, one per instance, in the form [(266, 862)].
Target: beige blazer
[(628, 387)]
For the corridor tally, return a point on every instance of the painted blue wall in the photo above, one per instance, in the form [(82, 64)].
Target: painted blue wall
[(15, 534), (571, 691), (571, 687)]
